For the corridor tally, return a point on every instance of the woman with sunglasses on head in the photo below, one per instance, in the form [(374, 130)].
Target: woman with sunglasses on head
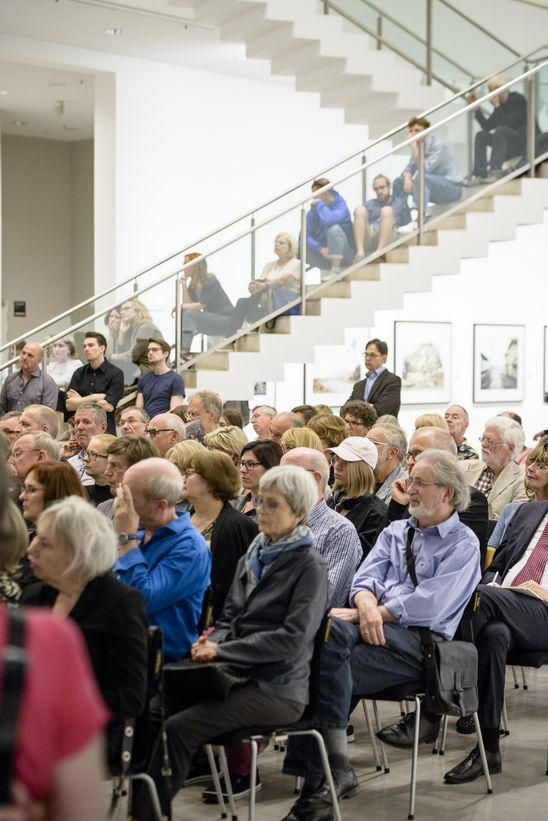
[(256, 458), (353, 492)]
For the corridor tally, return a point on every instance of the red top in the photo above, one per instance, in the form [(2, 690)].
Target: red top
[(61, 710)]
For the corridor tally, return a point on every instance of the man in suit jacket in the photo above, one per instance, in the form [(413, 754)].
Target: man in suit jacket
[(508, 620), (496, 474), (380, 387)]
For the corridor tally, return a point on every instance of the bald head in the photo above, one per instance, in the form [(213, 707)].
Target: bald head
[(312, 461), (166, 430), (429, 438), (38, 417), (156, 486), (30, 358), (282, 422)]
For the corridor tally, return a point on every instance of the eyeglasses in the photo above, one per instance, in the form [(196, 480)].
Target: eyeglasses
[(92, 455), (412, 454), (189, 472), (29, 489), (130, 420), (487, 440), (420, 484), (539, 465), (153, 432), (351, 423), (193, 414), (371, 354), (243, 465), (270, 504), (380, 444)]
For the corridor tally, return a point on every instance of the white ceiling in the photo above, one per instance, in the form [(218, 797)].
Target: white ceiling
[(162, 30)]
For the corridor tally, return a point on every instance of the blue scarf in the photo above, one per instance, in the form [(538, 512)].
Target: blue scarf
[(263, 551)]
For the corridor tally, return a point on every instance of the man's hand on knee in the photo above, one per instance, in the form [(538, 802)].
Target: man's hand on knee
[(371, 621)]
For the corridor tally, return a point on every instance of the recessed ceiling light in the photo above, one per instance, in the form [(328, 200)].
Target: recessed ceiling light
[(19, 122), (113, 32), (4, 92)]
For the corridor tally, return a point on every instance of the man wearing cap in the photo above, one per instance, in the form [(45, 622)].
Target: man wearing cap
[(375, 644), (354, 461)]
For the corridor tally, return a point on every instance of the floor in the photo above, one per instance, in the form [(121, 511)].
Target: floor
[(521, 790)]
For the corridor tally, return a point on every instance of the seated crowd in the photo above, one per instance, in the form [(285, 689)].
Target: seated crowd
[(236, 547)]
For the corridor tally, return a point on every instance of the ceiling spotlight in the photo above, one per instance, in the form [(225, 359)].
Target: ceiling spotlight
[(113, 32)]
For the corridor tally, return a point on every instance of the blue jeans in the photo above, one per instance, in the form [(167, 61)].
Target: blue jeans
[(350, 668), (338, 245), (436, 189)]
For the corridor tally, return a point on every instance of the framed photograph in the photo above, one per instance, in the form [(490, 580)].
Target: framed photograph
[(330, 379), (499, 363), (422, 358), (546, 363)]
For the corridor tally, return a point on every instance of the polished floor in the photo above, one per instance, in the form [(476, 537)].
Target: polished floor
[(520, 792)]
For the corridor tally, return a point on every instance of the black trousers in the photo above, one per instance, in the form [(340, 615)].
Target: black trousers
[(504, 621), (504, 142)]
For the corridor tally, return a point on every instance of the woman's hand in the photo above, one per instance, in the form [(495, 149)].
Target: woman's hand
[(203, 650)]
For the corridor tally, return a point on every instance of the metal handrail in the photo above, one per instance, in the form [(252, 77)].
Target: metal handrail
[(300, 300), (386, 136), (480, 27)]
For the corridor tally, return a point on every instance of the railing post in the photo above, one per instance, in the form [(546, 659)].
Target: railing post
[(304, 244), (470, 139), (45, 359), (178, 322), (364, 179), (531, 120), (135, 285), (252, 261), (421, 203), (379, 32), (326, 6), (428, 42)]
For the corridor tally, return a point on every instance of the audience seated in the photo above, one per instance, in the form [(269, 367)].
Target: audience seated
[(206, 407), (359, 417), (256, 459), (38, 417), (160, 553), (457, 421), (272, 630), (231, 416), (135, 329), (14, 541), (391, 447), (329, 232), (431, 420), (95, 459), (330, 428), (121, 454), (279, 283), (305, 412), (31, 449), (133, 421), (300, 438), (63, 362), (206, 307), (9, 424), (229, 440), (282, 422), (159, 389), (89, 420), (376, 221), (165, 430), (353, 492), (261, 417), (442, 179)]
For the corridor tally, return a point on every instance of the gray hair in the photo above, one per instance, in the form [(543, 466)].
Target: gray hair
[(176, 423), (439, 439), (268, 410), (510, 431), (446, 471), (230, 439), (165, 487), (45, 416), (395, 437), (134, 409), (211, 401), (100, 414), (294, 484), (43, 441), (312, 459), (87, 533)]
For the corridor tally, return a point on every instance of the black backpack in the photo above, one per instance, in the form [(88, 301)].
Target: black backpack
[(13, 663)]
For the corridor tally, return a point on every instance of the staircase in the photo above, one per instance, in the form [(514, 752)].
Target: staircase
[(353, 300), (344, 67)]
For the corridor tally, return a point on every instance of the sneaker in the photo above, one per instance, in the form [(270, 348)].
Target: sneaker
[(350, 737), (240, 788)]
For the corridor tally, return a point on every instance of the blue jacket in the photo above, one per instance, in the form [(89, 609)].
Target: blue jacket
[(322, 217), (172, 571)]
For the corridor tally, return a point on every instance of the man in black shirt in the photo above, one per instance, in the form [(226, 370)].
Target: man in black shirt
[(98, 382)]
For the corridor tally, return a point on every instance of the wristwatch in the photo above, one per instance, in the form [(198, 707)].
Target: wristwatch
[(124, 538)]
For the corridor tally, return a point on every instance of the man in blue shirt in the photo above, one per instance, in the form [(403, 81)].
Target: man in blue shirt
[(165, 558), (329, 233), (374, 644), (160, 389), (376, 221)]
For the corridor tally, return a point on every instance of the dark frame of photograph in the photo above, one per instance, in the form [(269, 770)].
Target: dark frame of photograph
[(499, 363), (545, 363), (422, 358)]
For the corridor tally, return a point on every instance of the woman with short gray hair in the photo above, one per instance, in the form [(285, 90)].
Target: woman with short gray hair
[(72, 554)]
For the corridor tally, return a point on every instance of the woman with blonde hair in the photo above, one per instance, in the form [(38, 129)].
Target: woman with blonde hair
[(206, 307), (300, 438), (354, 461), (230, 440), (431, 420), (135, 329), (330, 429)]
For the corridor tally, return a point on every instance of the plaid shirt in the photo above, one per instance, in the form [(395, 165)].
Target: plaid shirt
[(466, 451), (485, 481), (336, 539)]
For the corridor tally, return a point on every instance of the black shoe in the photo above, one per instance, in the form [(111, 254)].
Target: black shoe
[(200, 772), (350, 737), (472, 768), (401, 733), (240, 788), (319, 805), (465, 725)]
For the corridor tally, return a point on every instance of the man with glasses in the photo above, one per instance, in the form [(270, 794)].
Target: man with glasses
[(121, 454), (496, 474), (359, 417), (160, 389), (380, 387), (391, 445), (89, 420), (206, 407), (375, 644), (376, 221), (133, 421), (30, 449), (165, 430)]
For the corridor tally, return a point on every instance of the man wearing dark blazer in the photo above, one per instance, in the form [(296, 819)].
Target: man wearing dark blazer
[(380, 387), (508, 620)]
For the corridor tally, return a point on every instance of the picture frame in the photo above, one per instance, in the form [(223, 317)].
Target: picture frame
[(330, 379), (545, 385), (422, 358), (499, 363)]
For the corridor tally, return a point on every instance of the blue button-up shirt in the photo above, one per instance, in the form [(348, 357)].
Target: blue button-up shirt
[(447, 564), (370, 380)]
